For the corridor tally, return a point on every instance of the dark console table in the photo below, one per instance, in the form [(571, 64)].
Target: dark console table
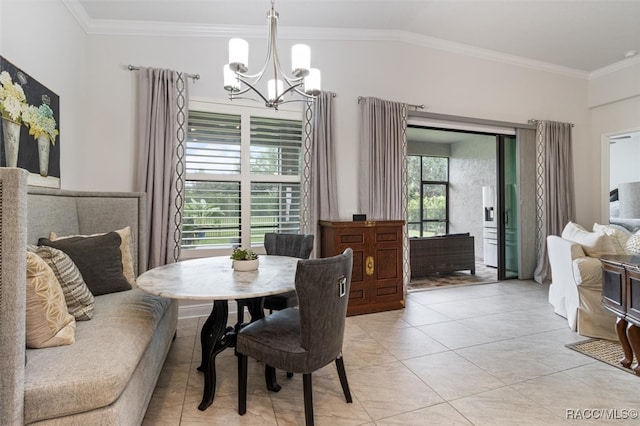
[(621, 295)]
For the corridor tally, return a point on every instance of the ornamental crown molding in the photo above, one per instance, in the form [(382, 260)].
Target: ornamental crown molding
[(176, 29)]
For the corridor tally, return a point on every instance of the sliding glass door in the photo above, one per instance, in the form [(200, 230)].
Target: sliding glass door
[(508, 256)]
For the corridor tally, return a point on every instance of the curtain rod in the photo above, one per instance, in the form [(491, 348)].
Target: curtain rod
[(193, 76), (534, 121), (409, 105)]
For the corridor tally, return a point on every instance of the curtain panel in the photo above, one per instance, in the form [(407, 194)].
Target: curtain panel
[(162, 119), (319, 184), (383, 154), (383, 165), (555, 193)]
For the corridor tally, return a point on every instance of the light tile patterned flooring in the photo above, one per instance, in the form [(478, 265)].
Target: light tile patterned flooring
[(490, 354)]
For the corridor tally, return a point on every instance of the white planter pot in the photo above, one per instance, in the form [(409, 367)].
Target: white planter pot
[(11, 135), (245, 265), (44, 145)]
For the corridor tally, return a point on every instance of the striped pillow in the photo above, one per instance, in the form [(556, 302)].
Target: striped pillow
[(79, 298)]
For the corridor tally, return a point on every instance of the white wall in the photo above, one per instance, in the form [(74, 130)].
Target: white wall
[(615, 108), (447, 83), (624, 158), (43, 39), (97, 93)]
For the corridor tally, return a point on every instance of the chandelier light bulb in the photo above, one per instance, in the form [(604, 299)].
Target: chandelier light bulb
[(238, 54), (300, 60), (312, 82), (274, 89), (231, 82), (304, 82)]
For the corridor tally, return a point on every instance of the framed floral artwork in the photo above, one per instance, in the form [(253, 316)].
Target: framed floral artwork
[(30, 122)]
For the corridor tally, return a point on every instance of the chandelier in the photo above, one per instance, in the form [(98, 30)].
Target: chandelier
[(304, 80)]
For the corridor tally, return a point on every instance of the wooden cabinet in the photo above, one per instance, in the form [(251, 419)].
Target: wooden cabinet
[(376, 281), (621, 286), (621, 295)]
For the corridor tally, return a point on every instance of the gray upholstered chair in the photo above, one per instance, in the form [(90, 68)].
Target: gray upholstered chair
[(304, 339), (293, 245)]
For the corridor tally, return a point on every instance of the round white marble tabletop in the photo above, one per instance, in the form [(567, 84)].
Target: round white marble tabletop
[(213, 278)]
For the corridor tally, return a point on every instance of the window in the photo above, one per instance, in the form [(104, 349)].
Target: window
[(242, 177), (428, 195)]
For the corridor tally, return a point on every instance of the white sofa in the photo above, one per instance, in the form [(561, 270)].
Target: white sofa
[(576, 288)]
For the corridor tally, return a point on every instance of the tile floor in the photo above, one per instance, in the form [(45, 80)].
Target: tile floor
[(490, 354)]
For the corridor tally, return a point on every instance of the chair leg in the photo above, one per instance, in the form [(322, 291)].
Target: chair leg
[(270, 379), (242, 384), (308, 399), (343, 379)]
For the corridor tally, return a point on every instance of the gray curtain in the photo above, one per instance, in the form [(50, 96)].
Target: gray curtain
[(555, 203), (161, 117), (383, 157), (320, 189), (383, 165)]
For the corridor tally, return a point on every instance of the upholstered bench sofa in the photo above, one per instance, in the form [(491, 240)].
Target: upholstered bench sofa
[(108, 374)]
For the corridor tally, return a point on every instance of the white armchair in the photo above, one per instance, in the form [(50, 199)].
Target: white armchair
[(576, 289)]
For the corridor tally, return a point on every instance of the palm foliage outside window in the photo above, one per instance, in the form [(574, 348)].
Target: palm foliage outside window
[(242, 179)]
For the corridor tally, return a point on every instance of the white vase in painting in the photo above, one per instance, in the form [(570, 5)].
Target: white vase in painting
[(11, 135), (43, 154)]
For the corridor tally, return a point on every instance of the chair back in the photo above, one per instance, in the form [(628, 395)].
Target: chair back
[(294, 245), (323, 288)]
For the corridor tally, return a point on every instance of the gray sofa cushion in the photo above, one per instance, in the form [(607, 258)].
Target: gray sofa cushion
[(65, 380)]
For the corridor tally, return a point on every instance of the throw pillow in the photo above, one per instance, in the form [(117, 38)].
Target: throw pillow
[(47, 321), (125, 250), (76, 293), (633, 244), (98, 259), (618, 237), (594, 244)]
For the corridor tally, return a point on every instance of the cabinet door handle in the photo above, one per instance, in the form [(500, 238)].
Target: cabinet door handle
[(369, 265)]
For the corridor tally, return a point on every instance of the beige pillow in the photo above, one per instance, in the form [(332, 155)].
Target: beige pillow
[(633, 244), (618, 237), (125, 250), (48, 323), (79, 299), (594, 244)]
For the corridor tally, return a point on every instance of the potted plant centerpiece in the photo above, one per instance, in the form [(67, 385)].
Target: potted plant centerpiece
[(244, 260)]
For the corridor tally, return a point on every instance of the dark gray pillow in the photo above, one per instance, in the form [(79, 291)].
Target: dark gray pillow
[(98, 258)]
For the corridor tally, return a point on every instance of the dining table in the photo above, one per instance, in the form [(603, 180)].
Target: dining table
[(214, 279)]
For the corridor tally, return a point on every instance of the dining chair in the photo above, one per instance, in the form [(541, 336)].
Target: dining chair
[(293, 245), (303, 339)]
